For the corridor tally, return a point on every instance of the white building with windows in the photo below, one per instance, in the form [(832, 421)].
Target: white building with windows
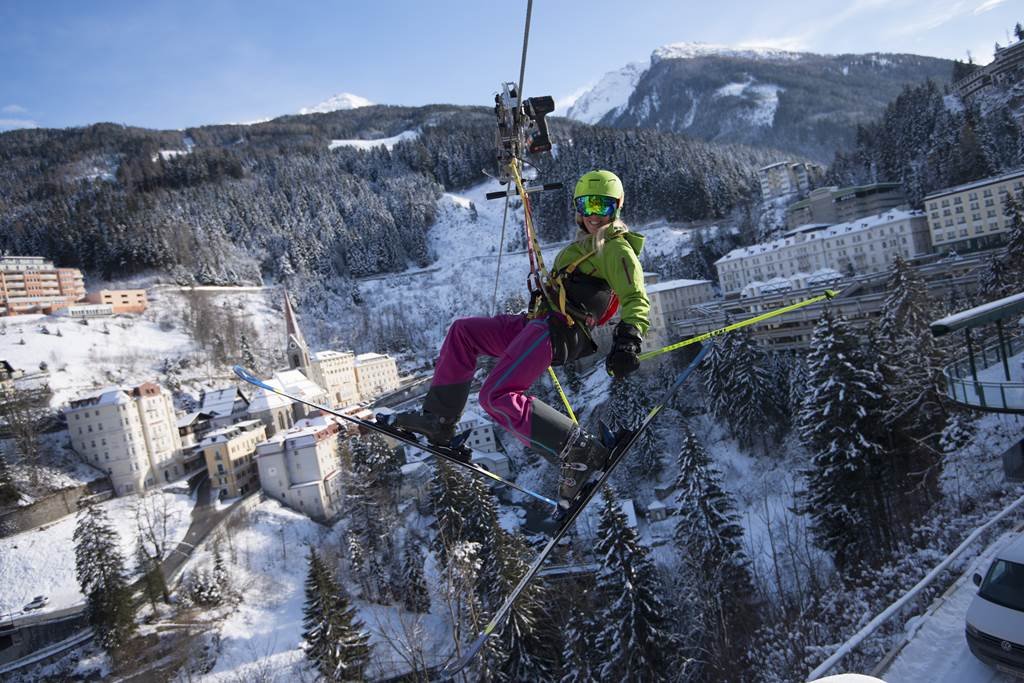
[(376, 374), (866, 245), (131, 434), (970, 217), (229, 454), (301, 468), (335, 371)]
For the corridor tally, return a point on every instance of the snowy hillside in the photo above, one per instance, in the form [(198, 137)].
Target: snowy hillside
[(466, 240)]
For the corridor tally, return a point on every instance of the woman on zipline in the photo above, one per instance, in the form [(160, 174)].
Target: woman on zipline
[(592, 277)]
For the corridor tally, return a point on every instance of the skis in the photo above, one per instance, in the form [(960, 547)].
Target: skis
[(622, 445), (459, 455)]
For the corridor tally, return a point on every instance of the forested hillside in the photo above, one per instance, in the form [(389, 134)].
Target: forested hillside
[(927, 141), (230, 204)]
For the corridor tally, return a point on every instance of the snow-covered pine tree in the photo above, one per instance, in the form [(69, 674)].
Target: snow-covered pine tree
[(1013, 209), (718, 379), (750, 409), (529, 653), (579, 648), (336, 642), (913, 402), (248, 357), (370, 495), (221, 577), (465, 511), (848, 492), (633, 641), (100, 570), (448, 498), (710, 541), (415, 594), (627, 405)]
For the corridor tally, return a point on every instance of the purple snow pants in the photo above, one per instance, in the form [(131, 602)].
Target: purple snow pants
[(523, 350)]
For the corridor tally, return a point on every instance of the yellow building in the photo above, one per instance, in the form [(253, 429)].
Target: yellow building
[(230, 457), (122, 300)]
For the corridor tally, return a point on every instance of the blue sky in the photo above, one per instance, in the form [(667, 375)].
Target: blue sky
[(184, 63)]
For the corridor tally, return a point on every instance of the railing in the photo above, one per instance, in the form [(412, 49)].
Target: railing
[(994, 392)]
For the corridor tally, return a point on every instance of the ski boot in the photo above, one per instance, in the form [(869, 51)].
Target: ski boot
[(437, 429), (581, 457)]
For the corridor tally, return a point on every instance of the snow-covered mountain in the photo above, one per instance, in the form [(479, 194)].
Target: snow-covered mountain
[(802, 102), (609, 95), (340, 101)]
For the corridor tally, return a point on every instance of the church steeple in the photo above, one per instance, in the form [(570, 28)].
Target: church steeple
[(298, 352)]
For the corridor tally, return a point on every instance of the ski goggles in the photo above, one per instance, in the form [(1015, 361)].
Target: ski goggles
[(596, 205)]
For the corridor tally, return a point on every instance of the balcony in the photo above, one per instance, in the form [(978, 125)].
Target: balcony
[(996, 383), (990, 379)]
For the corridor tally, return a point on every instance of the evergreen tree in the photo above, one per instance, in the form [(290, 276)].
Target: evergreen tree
[(751, 403), (633, 641), (528, 654), (415, 594), (710, 537), (579, 663), (248, 357), (847, 496), (100, 570), (913, 401), (718, 379), (371, 505), (336, 642), (1013, 209), (627, 405), (8, 492)]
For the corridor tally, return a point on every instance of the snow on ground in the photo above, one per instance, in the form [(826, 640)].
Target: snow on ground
[(271, 572), (126, 350), (59, 467), (387, 143), (43, 561), (84, 357), (938, 652), (265, 630)]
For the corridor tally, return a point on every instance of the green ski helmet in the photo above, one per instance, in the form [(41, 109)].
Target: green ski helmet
[(603, 183)]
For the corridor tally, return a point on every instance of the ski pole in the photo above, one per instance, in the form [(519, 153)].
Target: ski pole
[(829, 294)]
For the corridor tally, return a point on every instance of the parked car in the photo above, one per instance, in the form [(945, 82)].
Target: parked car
[(38, 602), (995, 619)]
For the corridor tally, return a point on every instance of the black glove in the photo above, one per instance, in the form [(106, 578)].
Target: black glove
[(622, 360)]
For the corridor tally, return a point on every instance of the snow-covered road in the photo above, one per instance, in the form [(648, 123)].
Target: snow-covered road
[(938, 651)]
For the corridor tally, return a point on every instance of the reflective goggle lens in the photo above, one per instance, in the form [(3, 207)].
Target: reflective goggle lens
[(596, 205)]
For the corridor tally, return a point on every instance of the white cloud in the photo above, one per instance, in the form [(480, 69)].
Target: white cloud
[(988, 5), (940, 16), (14, 109), (14, 124)]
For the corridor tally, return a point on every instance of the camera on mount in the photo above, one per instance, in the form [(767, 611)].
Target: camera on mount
[(522, 127)]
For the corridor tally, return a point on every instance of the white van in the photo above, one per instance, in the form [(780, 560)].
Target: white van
[(995, 619)]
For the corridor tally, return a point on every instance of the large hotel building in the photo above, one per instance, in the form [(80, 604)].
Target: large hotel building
[(131, 434), (866, 245), (30, 284), (970, 217)]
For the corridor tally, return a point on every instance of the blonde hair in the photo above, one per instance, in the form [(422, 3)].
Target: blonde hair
[(598, 239)]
